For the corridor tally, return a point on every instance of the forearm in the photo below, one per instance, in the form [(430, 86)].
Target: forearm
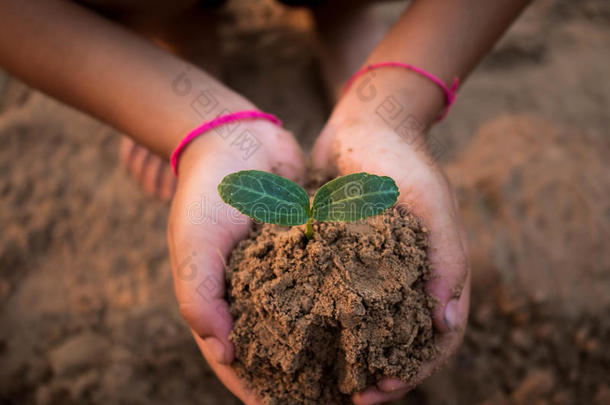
[(97, 66), (445, 38)]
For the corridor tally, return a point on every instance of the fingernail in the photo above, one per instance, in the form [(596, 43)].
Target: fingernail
[(451, 314), (216, 348)]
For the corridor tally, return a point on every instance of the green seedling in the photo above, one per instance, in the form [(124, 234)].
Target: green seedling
[(272, 199)]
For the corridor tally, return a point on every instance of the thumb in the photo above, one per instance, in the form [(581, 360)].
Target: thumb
[(321, 156)]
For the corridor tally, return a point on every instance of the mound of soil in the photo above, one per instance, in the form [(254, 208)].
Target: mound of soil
[(321, 319)]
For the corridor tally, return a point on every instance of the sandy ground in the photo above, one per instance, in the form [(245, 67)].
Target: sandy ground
[(87, 312)]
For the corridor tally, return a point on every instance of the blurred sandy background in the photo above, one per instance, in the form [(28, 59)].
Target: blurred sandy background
[(87, 312)]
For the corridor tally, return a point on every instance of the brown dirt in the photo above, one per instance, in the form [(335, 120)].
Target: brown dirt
[(518, 352), (318, 320)]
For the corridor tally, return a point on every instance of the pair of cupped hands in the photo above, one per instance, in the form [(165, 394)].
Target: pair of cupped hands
[(202, 230)]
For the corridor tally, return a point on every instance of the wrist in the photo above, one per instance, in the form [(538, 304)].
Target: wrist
[(389, 97), (243, 144), (202, 106)]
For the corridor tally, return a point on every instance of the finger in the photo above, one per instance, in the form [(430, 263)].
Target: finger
[(392, 384), (166, 182), (449, 268), (126, 148), (456, 310), (373, 395), (137, 161), (227, 375), (150, 174)]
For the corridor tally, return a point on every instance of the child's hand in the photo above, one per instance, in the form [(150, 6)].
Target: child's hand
[(202, 232), (370, 145)]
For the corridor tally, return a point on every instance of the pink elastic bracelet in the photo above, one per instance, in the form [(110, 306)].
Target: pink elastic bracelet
[(216, 122), (450, 92)]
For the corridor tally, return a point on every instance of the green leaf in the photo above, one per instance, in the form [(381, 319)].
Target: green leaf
[(353, 197), (266, 197)]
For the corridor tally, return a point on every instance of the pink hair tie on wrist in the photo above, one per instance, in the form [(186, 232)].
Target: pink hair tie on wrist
[(216, 122), (450, 92)]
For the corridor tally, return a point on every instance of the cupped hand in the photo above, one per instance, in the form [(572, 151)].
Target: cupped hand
[(355, 145), (202, 231)]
